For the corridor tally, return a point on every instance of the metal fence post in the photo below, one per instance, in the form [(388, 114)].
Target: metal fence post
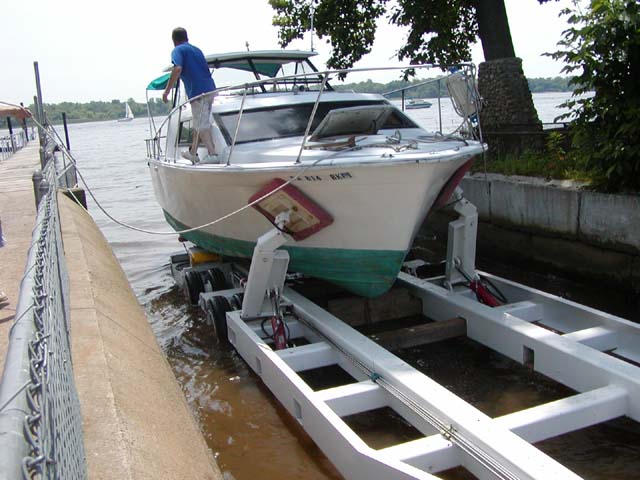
[(14, 148), (38, 190)]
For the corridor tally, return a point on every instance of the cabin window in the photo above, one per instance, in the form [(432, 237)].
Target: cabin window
[(291, 120)]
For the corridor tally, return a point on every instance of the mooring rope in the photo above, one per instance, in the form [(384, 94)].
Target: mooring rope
[(48, 131)]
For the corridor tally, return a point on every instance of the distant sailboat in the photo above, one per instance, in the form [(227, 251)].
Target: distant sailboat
[(128, 114)]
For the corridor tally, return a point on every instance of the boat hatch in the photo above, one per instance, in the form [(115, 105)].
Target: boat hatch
[(361, 120)]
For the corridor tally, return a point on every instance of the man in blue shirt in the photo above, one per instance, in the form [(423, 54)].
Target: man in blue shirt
[(191, 67)]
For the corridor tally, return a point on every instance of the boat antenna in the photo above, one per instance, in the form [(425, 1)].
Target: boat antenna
[(312, 12), (246, 44)]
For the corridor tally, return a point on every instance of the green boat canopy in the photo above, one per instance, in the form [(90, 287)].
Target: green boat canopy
[(159, 83), (263, 62)]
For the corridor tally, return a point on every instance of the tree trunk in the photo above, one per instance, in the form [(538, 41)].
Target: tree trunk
[(493, 29), (507, 111)]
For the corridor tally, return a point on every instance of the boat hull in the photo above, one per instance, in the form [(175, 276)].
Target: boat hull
[(377, 210), (369, 273)]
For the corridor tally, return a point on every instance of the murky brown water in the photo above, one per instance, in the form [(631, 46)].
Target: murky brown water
[(246, 429)]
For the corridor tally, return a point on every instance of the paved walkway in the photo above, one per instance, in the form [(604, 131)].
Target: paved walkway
[(17, 213)]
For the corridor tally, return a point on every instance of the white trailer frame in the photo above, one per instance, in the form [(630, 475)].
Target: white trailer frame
[(592, 352)]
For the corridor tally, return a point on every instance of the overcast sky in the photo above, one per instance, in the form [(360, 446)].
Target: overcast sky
[(111, 50)]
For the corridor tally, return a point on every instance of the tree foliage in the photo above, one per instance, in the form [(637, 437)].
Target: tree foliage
[(97, 110), (439, 31), (430, 89), (602, 47), (552, 84)]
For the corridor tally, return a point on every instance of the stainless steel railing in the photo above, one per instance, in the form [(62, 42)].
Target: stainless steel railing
[(286, 83), (10, 144)]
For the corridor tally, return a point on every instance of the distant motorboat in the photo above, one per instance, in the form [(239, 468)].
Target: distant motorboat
[(418, 103), (128, 114)]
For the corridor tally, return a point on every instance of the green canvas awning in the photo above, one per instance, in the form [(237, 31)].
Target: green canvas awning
[(159, 83)]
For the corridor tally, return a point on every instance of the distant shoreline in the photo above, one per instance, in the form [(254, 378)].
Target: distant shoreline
[(114, 109)]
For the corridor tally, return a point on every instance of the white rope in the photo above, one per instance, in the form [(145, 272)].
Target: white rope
[(48, 132), (199, 227)]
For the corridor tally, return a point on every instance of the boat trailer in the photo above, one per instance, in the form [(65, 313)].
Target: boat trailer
[(280, 333)]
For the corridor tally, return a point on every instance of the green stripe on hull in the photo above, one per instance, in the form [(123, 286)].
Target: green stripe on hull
[(369, 273)]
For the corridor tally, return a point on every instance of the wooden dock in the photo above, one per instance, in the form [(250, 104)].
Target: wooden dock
[(17, 213)]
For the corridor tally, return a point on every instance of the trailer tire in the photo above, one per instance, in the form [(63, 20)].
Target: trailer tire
[(216, 279), (193, 286), (236, 301), (208, 311), (219, 306)]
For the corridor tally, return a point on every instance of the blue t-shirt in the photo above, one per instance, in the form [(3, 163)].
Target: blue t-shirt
[(195, 71)]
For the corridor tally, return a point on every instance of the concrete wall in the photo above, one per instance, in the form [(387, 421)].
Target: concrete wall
[(552, 226), (557, 209), (135, 419)]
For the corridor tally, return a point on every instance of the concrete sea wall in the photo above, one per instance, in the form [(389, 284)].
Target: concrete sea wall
[(586, 235), (136, 421)]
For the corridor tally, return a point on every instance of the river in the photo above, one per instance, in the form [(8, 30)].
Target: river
[(250, 435)]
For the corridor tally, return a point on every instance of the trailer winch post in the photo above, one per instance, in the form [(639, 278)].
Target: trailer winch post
[(268, 270), (461, 241)]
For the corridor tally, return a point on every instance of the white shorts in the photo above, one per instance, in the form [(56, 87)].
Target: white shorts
[(201, 112)]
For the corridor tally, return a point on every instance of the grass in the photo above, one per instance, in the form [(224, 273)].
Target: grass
[(553, 162)]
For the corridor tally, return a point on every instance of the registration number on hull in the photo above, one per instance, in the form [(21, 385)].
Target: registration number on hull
[(320, 178)]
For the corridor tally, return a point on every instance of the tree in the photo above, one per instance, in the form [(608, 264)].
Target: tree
[(440, 32), (603, 47)]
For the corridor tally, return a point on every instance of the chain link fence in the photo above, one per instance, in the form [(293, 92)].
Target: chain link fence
[(40, 419)]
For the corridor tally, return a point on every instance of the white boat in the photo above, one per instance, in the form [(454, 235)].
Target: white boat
[(368, 166), (128, 114), (418, 103)]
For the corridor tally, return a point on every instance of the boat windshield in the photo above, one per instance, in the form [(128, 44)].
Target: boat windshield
[(291, 120)]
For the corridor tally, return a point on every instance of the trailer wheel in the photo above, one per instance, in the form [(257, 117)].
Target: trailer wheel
[(208, 310), (193, 286), (219, 306), (216, 279), (236, 301)]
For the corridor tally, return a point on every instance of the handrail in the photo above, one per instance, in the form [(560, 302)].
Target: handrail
[(235, 135), (413, 85), (10, 144)]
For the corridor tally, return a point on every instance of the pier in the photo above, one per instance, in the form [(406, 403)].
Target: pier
[(17, 213), (135, 422)]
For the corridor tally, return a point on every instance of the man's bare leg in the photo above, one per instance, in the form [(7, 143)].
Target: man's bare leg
[(207, 139)]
